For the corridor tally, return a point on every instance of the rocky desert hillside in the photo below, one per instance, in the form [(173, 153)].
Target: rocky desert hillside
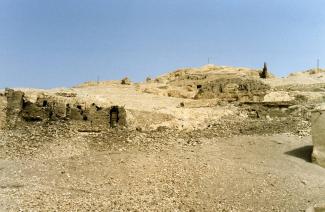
[(212, 138)]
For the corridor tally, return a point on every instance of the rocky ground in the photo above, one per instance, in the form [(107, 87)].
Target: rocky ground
[(55, 169)]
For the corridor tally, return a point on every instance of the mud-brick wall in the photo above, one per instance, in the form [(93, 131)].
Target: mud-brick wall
[(94, 117), (318, 135), (89, 118), (3, 105)]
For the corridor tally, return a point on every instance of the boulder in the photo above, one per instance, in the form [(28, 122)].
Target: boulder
[(126, 81)]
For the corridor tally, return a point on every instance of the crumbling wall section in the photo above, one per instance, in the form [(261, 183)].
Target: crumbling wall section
[(95, 118), (318, 136), (15, 104), (3, 106), (89, 118), (55, 107), (234, 89)]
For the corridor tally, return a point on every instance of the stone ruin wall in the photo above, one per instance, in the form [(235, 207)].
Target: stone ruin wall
[(318, 136), (249, 94), (234, 89), (3, 106), (81, 116)]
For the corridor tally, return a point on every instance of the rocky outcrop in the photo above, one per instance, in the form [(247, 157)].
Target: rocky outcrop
[(318, 135), (234, 89)]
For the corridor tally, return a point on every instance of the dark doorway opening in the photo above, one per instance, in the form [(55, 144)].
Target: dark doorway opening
[(45, 103), (114, 116)]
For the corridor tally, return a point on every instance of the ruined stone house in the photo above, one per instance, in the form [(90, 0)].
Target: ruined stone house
[(50, 108)]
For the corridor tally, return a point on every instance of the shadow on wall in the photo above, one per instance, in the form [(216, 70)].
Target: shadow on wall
[(302, 153)]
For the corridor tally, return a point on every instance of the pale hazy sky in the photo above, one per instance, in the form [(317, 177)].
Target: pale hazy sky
[(54, 43)]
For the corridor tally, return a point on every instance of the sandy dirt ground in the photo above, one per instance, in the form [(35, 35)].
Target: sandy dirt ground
[(241, 173)]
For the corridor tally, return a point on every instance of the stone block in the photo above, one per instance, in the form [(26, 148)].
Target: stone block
[(318, 136)]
